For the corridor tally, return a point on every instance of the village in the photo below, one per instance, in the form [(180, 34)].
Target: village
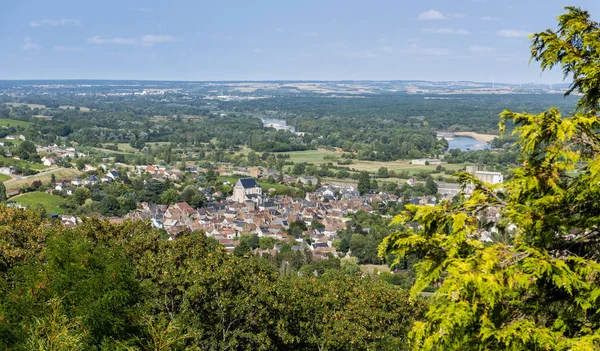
[(249, 208)]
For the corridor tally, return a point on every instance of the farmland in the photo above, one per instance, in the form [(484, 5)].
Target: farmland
[(317, 157), (13, 186), (13, 122)]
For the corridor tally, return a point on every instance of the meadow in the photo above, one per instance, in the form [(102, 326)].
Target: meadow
[(317, 157), (13, 122), (31, 200), (23, 163), (14, 185)]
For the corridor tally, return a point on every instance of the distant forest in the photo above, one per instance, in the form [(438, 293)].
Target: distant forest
[(384, 127)]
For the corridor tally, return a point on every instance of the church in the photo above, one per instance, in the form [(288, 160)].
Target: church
[(247, 189)]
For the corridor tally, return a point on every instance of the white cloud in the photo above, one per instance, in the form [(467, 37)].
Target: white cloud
[(451, 31), (61, 48), (257, 51), (146, 40), (481, 50), (151, 39), (54, 23), (387, 48), (436, 15), (488, 18), (29, 45), (98, 40), (311, 34), (364, 54), (431, 15), (415, 50), (512, 33)]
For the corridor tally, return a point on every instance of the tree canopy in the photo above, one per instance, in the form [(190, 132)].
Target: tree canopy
[(537, 287)]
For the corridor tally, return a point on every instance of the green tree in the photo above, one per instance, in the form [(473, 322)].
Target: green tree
[(2, 192), (339, 312), (431, 186), (80, 163), (364, 182), (169, 197), (316, 224), (382, 172), (538, 287)]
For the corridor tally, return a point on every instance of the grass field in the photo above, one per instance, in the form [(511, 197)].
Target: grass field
[(13, 186), (22, 163), (31, 106), (50, 202), (316, 157), (13, 122), (125, 147), (14, 142), (82, 109), (4, 177)]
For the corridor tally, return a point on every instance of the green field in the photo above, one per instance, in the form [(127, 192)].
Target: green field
[(66, 107), (14, 142), (22, 163), (4, 177), (316, 157), (14, 185), (31, 106), (13, 122), (50, 202), (310, 156)]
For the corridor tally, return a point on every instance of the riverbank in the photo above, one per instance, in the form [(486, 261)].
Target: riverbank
[(486, 138)]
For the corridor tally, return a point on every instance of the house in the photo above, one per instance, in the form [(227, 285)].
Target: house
[(91, 180), (247, 189), (112, 174), (310, 180), (15, 137), (48, 161), (76, 182), (7, 170)]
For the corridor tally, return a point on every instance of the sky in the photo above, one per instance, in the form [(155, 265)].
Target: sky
[(439, 40)]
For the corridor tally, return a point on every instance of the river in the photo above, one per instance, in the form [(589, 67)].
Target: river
[(278, 124), (462, 142)]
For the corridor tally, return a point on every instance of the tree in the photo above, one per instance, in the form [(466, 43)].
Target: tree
[(2, 192), (80, 164), (53, 179), (316, 224), (431, 186), (339, 312), (364, 182), (537, 287), (382, 172), (169, 197)]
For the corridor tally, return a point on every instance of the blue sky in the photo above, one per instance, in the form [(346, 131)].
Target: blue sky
[(476, 40)]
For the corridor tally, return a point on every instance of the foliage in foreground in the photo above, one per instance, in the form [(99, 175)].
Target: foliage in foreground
[(539, 287), (102, 286)]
